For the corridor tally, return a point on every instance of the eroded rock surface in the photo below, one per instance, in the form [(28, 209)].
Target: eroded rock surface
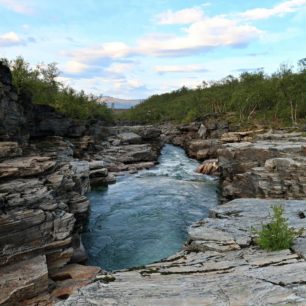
[(252, 163), (23, 280), (273, 166), (219, 266), (48, 163), (130, 148)]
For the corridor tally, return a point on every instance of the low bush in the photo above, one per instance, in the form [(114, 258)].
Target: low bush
[(276, 235), (256, 98)]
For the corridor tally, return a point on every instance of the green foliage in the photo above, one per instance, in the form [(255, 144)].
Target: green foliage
[(277, 99), (276, 235), (42, 82)]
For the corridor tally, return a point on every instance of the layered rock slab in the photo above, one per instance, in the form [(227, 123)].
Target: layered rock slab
[(43, 183), (273, 166), (225, 270), (23, 280)]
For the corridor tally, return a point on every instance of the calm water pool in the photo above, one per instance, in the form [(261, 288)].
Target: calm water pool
[(144, 217)]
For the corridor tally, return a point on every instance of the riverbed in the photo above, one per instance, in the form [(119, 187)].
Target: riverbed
[(144, 217)]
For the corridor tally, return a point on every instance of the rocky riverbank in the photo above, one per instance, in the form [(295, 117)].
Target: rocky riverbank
[(48, 162), (219, 266), (251, 164)]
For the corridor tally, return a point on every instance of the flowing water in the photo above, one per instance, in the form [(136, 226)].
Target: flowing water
[(144, 217)]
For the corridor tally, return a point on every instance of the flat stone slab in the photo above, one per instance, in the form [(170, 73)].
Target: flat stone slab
[(71, 278), (225, 269), (25, 166), (130, 138), (23, 280)]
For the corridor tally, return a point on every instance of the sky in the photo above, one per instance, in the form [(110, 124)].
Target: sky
[(133, 49)]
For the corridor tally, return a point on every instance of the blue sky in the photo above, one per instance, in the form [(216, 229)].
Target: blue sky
[(135, 48)]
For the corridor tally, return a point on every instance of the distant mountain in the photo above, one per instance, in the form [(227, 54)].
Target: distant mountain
[(119, 103)]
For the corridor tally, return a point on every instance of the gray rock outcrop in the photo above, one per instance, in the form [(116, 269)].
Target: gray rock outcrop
[(268, 167), (219, 266), (48, 163)]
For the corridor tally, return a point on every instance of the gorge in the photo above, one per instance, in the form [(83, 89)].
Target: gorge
[(50, 162), (144, 217)]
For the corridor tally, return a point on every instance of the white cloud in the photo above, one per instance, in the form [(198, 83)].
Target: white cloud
[(134, 83), (87, 69), (75, 67), (64, 80), (129, 84), (18, 6), (198, 33), (185, 16), (107, 50), (202, 35), (199, 36), (119, 67), (120, 88), (180, 68), (281, 9), (10, 39)]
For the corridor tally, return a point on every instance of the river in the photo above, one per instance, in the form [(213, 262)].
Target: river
[(144, 217)]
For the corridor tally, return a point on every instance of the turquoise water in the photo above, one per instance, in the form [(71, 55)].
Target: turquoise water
[(144, 217)]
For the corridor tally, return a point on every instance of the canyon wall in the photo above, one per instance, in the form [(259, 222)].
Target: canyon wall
[(259, 163), (48, 163), (220, 263)]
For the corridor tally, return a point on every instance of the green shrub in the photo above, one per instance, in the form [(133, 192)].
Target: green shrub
[(255, 97), (276, 235)]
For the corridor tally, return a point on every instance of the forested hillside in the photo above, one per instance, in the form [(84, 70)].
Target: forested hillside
[(277, 99), (44, 87)]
